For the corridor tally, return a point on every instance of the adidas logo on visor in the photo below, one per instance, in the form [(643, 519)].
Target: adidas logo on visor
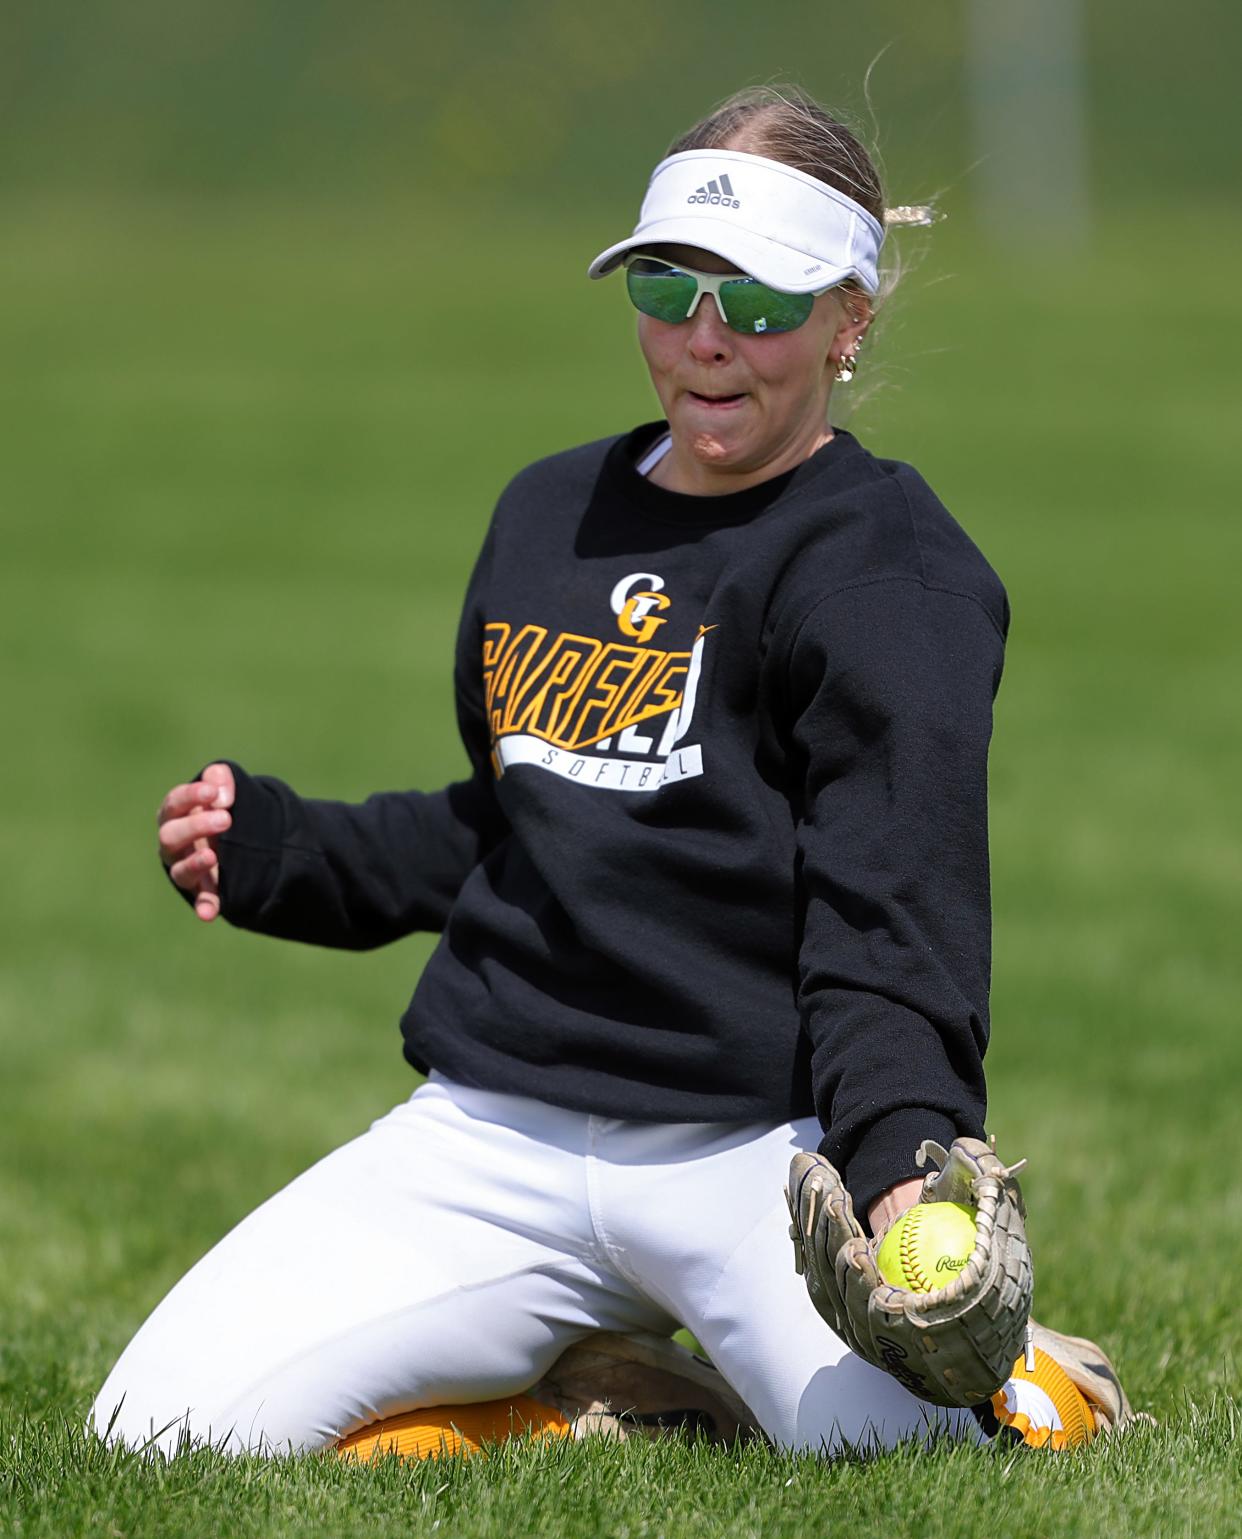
[(718, 193)]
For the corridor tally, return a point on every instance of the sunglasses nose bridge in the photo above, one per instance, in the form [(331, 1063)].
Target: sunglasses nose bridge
[(720, 310), (703, 289)]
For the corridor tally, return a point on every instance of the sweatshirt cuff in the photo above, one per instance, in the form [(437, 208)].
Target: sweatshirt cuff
[(885, 1153), (250, 853)]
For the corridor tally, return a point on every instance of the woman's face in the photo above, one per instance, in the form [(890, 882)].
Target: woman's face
[(742, 408)]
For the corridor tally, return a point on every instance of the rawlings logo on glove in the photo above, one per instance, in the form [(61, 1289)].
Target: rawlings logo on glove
[(956, 1345)]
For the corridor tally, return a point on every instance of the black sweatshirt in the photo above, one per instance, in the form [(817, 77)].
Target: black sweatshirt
[(723, 851)]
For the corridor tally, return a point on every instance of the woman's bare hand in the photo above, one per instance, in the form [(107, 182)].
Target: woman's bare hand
[(890, 1205), (192, 818)]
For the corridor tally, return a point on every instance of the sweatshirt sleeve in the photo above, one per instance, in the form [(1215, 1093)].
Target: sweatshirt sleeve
[(358, 875), (891, 689), (350, 875)]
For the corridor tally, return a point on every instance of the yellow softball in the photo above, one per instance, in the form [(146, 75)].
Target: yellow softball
[(927, 1246)]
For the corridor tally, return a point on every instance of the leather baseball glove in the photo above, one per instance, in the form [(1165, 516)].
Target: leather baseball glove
[(957, 1345)]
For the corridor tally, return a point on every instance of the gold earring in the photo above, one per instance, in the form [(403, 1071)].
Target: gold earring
[(845, 369)]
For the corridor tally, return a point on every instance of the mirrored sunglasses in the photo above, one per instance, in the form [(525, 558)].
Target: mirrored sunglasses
[(671, 293)]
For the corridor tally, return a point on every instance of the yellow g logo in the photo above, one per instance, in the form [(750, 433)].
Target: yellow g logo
[(636, 618), (635, 611)]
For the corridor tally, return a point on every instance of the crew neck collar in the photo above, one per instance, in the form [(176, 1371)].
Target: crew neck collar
[(722, 508)]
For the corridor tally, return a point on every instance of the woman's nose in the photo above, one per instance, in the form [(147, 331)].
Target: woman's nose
[(709, 336)]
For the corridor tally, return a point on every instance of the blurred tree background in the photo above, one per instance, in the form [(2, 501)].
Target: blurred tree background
[(524, 99)]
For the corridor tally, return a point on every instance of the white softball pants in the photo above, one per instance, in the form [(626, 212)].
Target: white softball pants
[(452, 1253)]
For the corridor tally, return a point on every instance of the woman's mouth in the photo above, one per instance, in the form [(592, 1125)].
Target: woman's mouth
[(717, 402)]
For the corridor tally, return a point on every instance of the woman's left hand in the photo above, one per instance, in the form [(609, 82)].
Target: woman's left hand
[(890, 1205)]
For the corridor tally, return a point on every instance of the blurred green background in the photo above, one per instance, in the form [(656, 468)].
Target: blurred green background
[(484, 99), (289, 290)]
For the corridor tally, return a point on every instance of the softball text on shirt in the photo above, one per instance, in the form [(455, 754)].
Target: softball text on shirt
[(609, 714)]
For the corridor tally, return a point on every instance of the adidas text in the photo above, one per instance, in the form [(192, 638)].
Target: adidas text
[(718, 193)]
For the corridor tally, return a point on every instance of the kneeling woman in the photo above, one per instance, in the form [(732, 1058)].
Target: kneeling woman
[(715, 891)]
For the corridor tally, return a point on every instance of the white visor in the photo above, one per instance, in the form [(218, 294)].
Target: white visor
[(789, 230)]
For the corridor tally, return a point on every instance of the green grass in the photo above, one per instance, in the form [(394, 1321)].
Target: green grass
[(1182, 1480), (247, 457)]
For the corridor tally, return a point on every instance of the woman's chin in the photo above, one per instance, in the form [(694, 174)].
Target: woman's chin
[(711, 443), (710, 448)]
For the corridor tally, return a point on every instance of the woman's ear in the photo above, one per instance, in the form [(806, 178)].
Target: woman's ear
[(856, 317)]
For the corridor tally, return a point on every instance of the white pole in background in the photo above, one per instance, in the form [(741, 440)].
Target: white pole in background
[(1027, 76)]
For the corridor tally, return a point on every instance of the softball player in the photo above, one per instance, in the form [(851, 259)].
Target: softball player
[(713, 896)]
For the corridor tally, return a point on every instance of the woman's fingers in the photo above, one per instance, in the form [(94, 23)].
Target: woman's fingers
[(215, 789), (220, 778), (188, 872), (199, 873), (180, 832), (187, 798), (207, 903), (191, 818)]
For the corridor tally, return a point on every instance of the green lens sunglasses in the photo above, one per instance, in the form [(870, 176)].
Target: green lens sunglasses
[(671, 293)]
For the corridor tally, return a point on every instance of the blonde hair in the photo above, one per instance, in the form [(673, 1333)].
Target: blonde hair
[(785, 123)]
